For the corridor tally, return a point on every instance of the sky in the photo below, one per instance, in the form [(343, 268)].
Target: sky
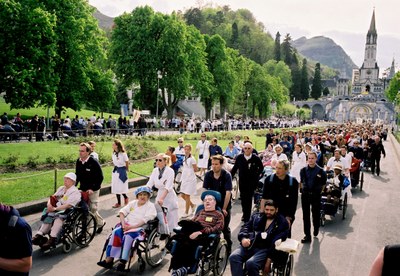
[(344, 21)]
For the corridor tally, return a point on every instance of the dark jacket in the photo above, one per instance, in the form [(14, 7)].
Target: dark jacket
[(284, 192), (89, 175), (279, 229), (249, 171), (377, 149), (313, 179)]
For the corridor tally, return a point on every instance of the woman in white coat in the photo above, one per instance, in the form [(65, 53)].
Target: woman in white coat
[(162, 178), (119, 181), (189, 180), (202, 149), (299, 161)]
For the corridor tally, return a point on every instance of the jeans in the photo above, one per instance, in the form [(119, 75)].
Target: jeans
[(254, 259)]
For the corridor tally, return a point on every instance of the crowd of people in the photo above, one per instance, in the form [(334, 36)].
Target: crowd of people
[(300, 160)]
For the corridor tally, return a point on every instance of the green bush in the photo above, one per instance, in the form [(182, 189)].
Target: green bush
[(12, 158), (51, 160), (33, 161), (67, 158), (139, 149)]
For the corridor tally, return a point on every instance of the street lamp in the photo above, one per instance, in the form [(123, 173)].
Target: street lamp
[(159, 76), (247, 102)]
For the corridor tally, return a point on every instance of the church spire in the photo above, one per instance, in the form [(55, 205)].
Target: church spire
[(372, 27)]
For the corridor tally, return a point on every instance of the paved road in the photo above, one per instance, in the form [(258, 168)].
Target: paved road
[(343, 247)]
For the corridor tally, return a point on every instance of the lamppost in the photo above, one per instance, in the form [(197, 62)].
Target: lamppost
[(247, 102), (159, 76)]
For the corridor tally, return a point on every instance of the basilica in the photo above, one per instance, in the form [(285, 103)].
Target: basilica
[(361, 99)]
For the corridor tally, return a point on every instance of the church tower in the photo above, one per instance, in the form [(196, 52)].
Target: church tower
[(369, 82)]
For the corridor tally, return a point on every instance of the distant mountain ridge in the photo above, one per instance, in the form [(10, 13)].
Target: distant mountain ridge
[(325, 51), (105, 22)]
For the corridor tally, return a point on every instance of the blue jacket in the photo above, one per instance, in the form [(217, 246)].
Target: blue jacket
[(279, 229)]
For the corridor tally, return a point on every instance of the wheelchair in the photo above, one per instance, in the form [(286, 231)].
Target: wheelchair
[(212, 255), (282, 264), (356, 175), (149, 247), (333, 199), (79, 227)]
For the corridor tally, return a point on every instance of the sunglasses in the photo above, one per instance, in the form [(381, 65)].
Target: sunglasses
[(247, 148), (159, 160), (180, 142)]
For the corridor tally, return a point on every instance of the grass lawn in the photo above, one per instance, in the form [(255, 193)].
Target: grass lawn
[(37, 184)]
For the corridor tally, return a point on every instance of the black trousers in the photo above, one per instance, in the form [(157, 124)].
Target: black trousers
[(312, 200), (375, 162), (227, 229), (246, 199)]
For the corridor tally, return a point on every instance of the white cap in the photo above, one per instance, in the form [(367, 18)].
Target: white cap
[(71, 176)]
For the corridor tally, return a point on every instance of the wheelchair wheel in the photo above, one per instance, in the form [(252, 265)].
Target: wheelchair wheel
[(67, 246), (344, 206), (284, 269), (220, 258), (141, 265), (361, 181), (84, 229), (155, 249), (235, 188), (177, 182)]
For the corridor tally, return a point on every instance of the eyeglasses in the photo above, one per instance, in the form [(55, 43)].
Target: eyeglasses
[(247, 148), (180, 142), (159, 160)]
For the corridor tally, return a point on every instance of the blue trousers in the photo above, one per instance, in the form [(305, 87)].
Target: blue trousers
[(254, 259)]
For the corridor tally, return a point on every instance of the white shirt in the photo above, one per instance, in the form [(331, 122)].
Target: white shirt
[(134, 213), (120, 160)]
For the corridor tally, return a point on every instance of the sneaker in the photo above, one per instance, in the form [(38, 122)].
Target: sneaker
[(100, 229), (107, 265), (306, 239), (126, 201), (185, 216), (116, 205)]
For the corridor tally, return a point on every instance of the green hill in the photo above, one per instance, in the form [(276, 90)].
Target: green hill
[(327, 52)]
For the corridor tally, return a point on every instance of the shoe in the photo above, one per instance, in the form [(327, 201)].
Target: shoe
[(51, 243), (163, 237), (107, 265), (126, 201), (121, 266), (100, 229), (116, 205), (185, 216), (306, 239), (316, 232), (39, 240)]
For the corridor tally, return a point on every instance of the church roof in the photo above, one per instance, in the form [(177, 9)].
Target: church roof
[(372, 27)]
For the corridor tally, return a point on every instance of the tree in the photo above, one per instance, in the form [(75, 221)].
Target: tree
[(287, 50), (277, 48), (304, 85), (80, 55), (326, 91), (220, 66), (316, 88), (28, 53), (235, 36), (281, 70), (392, 92)]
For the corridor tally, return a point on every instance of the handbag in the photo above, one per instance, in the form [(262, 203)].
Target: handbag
[(53, 201)]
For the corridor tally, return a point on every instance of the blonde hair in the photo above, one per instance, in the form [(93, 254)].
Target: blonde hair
[(166, 158)]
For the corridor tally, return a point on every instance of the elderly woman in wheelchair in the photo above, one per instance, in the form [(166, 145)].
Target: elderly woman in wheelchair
[(133, 218), (58, 207), (199, 237)]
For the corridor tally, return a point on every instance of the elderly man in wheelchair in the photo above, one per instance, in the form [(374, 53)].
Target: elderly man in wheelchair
[(197, 246), (54, 216), (133, 219)]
